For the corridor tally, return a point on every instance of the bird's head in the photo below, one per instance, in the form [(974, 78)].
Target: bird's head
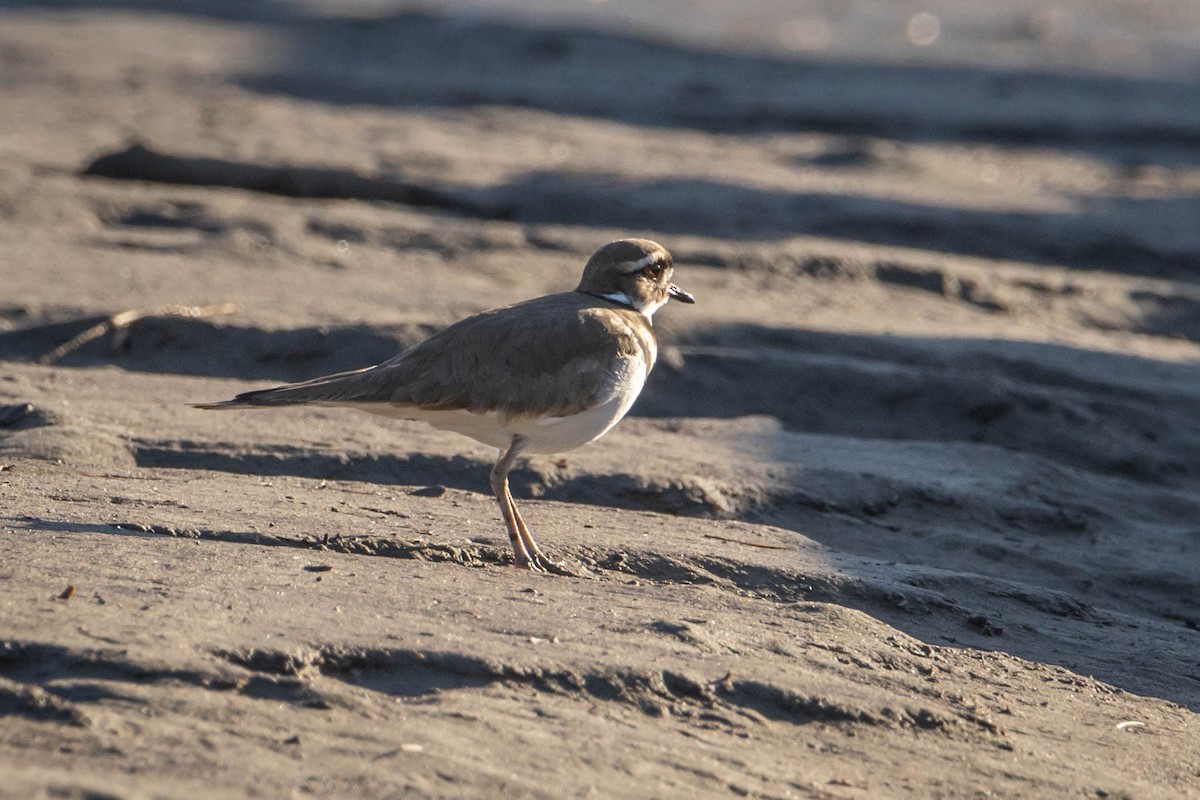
[(635, 273)]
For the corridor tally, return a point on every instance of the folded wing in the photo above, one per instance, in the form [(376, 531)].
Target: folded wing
[(550, 356)]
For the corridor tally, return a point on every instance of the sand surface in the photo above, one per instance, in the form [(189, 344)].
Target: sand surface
[(910, 506)]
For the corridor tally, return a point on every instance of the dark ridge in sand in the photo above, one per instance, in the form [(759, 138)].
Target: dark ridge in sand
[(139, 163)]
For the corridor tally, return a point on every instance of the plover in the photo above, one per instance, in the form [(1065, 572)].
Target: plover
[(543, 376)]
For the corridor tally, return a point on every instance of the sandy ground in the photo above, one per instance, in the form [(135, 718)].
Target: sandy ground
[(909, 507)]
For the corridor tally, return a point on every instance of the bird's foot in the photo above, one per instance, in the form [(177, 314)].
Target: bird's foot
[(540, 562), (555, 568), (529, 564)]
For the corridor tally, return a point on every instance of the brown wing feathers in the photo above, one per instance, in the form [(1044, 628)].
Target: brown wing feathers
[(512, 360)]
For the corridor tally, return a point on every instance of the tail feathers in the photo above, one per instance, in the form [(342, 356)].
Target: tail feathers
[(264, 398), (318, 390)]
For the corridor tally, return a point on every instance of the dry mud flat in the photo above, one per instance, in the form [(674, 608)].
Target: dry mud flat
[(908, 508)]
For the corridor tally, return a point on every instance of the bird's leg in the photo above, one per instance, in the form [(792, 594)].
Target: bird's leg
[(538, 561), (508, 510), (531, 547)]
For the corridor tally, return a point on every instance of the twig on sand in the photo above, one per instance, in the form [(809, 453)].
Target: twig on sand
[(748, 544), (118, 325)]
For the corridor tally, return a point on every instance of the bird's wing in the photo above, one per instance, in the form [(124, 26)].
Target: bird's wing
[(555, 356)]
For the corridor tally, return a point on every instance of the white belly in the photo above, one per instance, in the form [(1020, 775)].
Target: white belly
[(543, 435)]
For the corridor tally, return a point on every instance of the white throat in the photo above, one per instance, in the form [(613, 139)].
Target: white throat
[(649, 309)]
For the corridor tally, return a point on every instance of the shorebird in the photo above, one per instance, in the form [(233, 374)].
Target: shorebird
[(543, 376)]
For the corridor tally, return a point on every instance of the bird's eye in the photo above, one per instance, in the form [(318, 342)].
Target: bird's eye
[(653, 270)]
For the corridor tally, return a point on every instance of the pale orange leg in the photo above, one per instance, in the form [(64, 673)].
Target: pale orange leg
[(518, 534), (531, 546)]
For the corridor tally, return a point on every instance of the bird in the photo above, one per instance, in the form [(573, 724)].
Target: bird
[(546, 375)]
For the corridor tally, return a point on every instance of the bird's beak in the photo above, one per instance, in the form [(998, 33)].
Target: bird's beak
[(676, 293)]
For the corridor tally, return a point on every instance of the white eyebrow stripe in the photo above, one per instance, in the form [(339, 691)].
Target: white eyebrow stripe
[(645, 261)]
